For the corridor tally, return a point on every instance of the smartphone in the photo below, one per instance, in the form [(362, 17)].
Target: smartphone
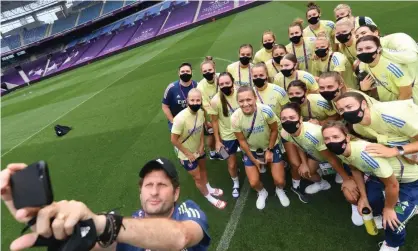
[(224, 153), (31, 187)]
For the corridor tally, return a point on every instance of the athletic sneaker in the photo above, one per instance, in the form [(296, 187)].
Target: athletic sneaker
[(284, 200), (338, 179), (263, 169), (261, 200), (300, 193), (356, 217), (235, 192), (378, 220), (385, 247), (317, 186)]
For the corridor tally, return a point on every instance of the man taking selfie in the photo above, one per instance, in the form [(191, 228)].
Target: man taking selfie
[(161, 224)]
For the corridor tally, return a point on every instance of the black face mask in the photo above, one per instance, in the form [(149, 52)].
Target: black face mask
[(295, 39), (354, 117), (209, 76), (323, 52), (244, 60), (329, 95), (313, 20), (367, 57), (227, 90), (268, 46), (185, 77), (297, 100), (337, 147), (286, 72), (343, 38), (338, 19), (195, 108), (259, 82), (291, 126), (277, 59)]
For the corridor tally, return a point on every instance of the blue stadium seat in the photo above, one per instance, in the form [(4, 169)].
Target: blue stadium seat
[(111, 6), (90, 13), (34, 34), (13, 41), (64, 24)]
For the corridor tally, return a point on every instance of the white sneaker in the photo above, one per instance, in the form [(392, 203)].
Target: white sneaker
[(235, 192), (356, 217), (385, 247), (338, 179), (261, 200), (263, 169), (378, 220), (317, 186), (284, 200)]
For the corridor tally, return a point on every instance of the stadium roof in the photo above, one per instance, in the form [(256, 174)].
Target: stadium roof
[(12, 10)]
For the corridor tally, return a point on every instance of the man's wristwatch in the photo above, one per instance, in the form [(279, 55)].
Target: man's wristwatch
[(400, 150)]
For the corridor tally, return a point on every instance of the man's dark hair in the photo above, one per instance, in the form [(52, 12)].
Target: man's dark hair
[(185, 64)]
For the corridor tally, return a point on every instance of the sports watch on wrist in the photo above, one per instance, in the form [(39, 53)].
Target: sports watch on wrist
[(400, 150)]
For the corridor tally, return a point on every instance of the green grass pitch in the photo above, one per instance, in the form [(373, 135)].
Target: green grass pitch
[(114, 106)]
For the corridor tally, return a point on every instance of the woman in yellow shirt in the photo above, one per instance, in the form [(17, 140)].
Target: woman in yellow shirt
[(273, 64), (300, 46), (344, 11), (316, 25), (314, 108), (256, 127), (241, 70), (187, 137), (392, 80), (268, 40), (223, 105), (208, 87), (329, 60), (289, 72), (344, 33)]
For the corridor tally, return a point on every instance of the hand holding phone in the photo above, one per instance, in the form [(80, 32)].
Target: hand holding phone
[(31, 186)]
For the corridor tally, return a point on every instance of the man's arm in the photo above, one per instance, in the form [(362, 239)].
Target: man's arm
[(167, 112), (160, 233)]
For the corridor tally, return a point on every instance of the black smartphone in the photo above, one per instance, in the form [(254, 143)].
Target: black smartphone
[(31, 187)]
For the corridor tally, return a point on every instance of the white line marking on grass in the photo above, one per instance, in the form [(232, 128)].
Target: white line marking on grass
[(72, 109), (234, 219)]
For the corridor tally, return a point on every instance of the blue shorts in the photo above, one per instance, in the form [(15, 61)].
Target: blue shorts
[(277, 156), (405, 209), (190, 166), (231, 146)]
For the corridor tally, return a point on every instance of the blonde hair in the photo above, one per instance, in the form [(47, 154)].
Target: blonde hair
[(268, 32), (297, 22), (208, 60), (343, 6), (345, 21), (322, 36)]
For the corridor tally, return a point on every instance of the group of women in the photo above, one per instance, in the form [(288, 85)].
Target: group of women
[(339, 98)]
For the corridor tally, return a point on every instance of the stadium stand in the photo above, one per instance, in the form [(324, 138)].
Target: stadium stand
[(64, 24), (35, 34), (12, 42), (111, 6), (90, 13)]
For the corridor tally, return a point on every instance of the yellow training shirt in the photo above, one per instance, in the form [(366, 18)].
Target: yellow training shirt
[(260, 135), (225, 129), (186, 123), (326, 26), (316, 107), (272, 69), (242, 76), (262, 56), (303, 52), (208, 91), (274, 96), (303, 76)]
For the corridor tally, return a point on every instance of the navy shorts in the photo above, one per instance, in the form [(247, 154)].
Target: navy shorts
[(170, 125), (231, 146), (190, 166), (277, 156)]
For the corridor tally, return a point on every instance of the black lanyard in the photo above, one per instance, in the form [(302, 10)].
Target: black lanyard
[(258, 95), (277, 70), (329, 61), (284, 79), (402, 168), (304, 54)]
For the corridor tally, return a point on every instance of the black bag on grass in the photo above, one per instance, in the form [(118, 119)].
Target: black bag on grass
[(61, 130)]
